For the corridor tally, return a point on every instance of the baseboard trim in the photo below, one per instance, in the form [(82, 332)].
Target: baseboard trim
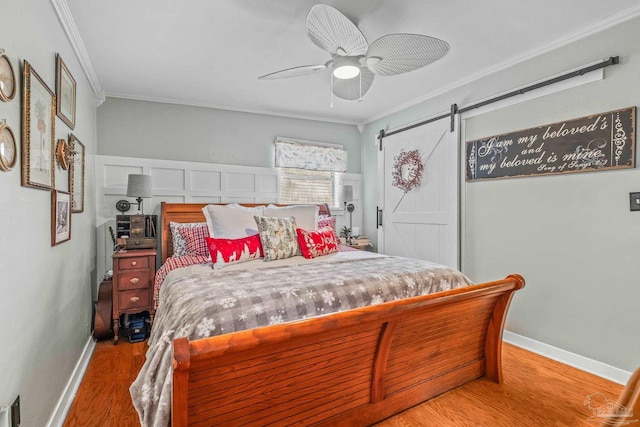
[(65, 401), (580, 362)]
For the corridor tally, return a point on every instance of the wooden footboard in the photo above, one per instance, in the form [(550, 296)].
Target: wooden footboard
[(350, 368)]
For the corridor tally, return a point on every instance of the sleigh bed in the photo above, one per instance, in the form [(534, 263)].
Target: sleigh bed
[(351, 367)]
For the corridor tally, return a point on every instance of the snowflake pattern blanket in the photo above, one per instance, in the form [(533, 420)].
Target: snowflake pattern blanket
[(219, 302)]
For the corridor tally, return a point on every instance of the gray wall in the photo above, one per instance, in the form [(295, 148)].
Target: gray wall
[(45, 291), (571, 236), (177, 132)]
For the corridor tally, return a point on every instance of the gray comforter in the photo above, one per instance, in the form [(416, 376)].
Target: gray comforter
[(219, 302)]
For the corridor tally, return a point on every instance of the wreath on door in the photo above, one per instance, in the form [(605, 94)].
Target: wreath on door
[(407, 170)]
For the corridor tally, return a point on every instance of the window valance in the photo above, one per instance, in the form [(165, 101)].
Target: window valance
[(310, 157)]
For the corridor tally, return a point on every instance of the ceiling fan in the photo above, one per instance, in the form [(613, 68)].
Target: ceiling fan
[(354, 63)]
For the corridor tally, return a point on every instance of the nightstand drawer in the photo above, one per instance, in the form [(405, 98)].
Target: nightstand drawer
[(133, 263), (129, 300), (140, 243), (137, 220), (136, 232), (134, 279)]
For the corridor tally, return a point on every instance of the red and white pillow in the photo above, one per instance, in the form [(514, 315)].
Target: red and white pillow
[(195, 240), (317, 243), (232, 251), (328, 221), (188, 239)]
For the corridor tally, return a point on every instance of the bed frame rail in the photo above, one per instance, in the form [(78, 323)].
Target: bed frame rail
[(350, 368)]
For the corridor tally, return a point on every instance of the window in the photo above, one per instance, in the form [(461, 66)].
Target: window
[(309, 172), (300, 186)]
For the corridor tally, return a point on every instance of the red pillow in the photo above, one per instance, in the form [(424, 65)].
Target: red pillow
[(194, 239), (317, 243), (329, 221), (231, 251)]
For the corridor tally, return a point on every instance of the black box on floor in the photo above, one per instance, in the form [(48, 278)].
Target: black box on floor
[(136, 326)]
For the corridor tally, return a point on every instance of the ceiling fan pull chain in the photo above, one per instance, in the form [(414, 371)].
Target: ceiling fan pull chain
[(331, 90), (360, 98)]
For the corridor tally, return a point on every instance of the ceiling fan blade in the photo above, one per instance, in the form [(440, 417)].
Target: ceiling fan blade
[(349, 89), (330, 30), (305, 70), (400, 53)]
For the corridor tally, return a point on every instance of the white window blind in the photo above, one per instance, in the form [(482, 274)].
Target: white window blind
[(300, 186), (309, 172)]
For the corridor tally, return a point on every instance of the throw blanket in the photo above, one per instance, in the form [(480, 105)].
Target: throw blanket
[(219, 302)]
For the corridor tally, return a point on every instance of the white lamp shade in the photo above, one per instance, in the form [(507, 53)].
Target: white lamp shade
[(347, 193), (140, 186)]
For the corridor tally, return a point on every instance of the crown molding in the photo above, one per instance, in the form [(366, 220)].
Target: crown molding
[(230, 108), (605, 24), (70, 29)]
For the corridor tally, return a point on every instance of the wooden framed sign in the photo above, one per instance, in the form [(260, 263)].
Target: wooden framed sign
[(594, 143)]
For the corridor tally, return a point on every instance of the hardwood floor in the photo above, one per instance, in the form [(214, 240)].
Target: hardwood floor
[(536, 392)]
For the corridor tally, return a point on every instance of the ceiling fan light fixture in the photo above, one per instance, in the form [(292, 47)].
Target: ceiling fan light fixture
[(346, 72), (346, 67)]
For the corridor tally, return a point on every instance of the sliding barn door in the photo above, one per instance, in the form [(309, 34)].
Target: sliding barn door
[(419, 197)]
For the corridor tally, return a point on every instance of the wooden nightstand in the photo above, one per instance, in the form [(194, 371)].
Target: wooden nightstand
[(359, 247), (133, 274)]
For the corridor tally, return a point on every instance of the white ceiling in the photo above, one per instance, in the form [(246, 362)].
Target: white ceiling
[(211, 52)]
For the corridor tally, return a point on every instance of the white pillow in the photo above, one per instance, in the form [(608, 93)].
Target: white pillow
[(231, 221), (306, 215)]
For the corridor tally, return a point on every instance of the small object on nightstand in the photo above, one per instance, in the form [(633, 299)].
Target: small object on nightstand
[(359, 242), (136, 231), (133, 273)]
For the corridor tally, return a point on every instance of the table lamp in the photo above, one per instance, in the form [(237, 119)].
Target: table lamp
[(139, 186)]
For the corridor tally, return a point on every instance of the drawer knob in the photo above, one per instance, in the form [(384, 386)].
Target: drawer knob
[(134, 280), (134, 263), (135, 299)]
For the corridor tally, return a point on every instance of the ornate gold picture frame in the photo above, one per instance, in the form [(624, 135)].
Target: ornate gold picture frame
[(38, 131), (65, 93)]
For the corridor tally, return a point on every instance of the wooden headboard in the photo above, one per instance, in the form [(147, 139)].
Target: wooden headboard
[(192, 212)]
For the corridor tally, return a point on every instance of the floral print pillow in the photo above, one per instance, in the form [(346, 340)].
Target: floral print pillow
[(278, 237)]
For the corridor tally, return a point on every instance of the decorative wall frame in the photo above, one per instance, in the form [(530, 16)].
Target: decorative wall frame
[(7, 78), (38, 131), (65, 93), (8, 150), (76, 174), (60, 217)]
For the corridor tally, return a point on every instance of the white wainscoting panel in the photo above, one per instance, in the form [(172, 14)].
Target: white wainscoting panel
[(188, 182)]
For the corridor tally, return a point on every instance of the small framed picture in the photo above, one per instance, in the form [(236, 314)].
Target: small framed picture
[(38, 132), (8, 151), (76, 174), (65, 93), (60, 217), (7, 78)]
